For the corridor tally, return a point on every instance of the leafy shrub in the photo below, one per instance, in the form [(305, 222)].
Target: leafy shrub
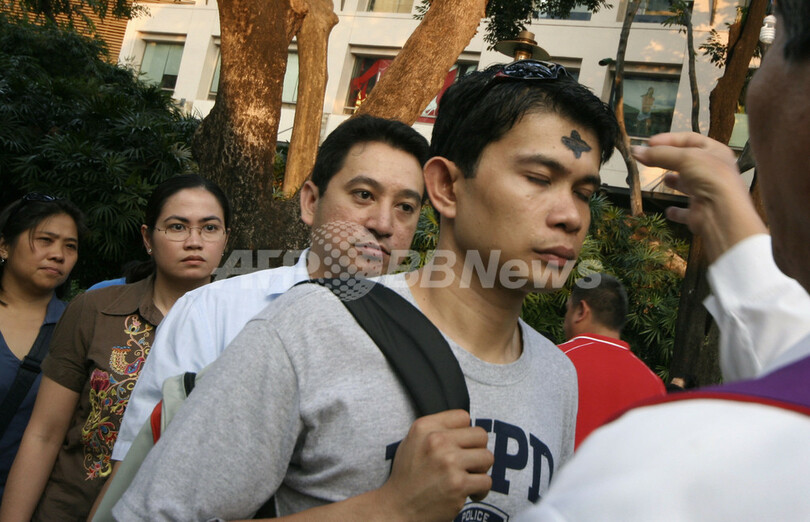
[(75, 126)]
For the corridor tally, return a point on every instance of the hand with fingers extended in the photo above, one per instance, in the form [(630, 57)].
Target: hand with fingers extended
[(720, 208), (441, 462)]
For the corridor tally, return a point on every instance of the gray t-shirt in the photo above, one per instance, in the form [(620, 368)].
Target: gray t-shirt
[(303, 404)]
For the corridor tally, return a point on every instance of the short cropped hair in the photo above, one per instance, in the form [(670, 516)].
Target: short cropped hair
[(364, 129), (605, 296), (796, 19), (472, 114)]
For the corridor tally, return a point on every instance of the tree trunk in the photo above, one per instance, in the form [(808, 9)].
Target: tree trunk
[(235, 144), (313, 42), (726, 94), (693, 84), (746, 162), (636, 207), (756, 195), (693, 319), (418, 72)]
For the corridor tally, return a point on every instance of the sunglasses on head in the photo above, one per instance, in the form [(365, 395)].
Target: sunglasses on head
[(29, 198), (529, 70), (37, 196), (532, 70)]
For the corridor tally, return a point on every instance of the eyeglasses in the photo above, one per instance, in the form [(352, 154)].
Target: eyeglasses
[(532, 70), (181, 232)]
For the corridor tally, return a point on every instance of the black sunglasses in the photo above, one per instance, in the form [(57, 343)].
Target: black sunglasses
[(37, 196), (532, 70), (28, 198)]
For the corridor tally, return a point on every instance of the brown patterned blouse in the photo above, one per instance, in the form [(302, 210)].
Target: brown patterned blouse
[(98, 350)]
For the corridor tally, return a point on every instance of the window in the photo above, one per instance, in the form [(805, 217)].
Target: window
[(654, 11), (390, 6), (290, 92), (161, 63), (457, 71), (739, 136), (578, 12), (368, 71), (649, 103), (288, 95), (212, 92)]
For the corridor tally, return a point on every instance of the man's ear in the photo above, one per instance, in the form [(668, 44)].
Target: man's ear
[(308, 196), (582, 312), (441, 176)]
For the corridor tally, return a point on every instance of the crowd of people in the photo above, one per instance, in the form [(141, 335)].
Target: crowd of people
[(298, 412)]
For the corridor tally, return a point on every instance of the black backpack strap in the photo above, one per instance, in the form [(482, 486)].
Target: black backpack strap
[(26, 375), (417, 351), (189, 380)]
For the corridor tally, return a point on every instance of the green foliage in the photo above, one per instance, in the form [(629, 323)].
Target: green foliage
[(279, 167), (716, 47), (427, 233), (506, 18), (682, 16), (635, 250), (70, 11), (75, 126)]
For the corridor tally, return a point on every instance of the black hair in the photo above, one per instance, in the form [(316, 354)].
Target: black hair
[(605, 296), (364, 129), (26, 214), (473, 113), (175, 184), (155, 205), (795, 16)]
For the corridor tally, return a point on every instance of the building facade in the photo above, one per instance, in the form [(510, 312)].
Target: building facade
[(177, 45)]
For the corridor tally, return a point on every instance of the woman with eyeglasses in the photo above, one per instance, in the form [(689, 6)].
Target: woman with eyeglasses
[(39, 246), (98, 350)]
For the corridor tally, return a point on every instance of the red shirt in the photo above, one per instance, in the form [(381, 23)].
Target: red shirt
[(610, 379)]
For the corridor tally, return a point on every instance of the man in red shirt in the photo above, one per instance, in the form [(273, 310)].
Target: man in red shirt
[(610, 377)]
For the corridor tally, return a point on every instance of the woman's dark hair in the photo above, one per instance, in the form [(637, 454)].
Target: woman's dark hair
[(172, 186), (155, 205), (27, 213)]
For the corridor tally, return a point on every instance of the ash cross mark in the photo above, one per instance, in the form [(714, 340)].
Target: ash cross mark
[(576, 144)]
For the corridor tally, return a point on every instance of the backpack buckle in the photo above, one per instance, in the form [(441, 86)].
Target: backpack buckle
[(31, 365)]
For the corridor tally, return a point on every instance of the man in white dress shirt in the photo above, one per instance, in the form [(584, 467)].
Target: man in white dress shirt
[(372, 168)]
